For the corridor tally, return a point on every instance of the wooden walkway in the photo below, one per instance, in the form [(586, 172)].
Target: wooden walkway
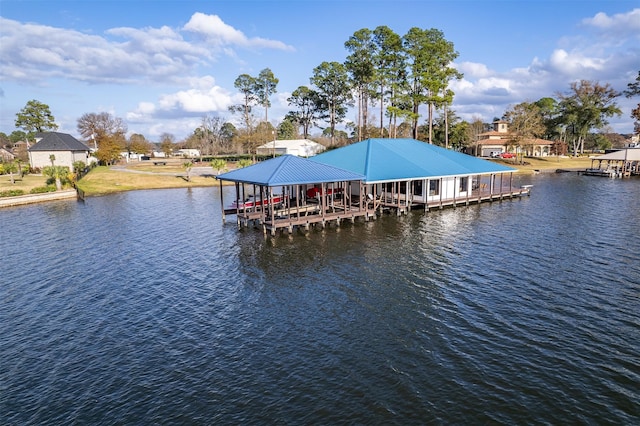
[(304, 217)]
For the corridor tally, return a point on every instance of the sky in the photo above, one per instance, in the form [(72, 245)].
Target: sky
[(163, 65)]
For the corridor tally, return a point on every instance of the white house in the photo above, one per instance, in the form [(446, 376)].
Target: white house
[(298, 147), (187, 153), (65, 148)]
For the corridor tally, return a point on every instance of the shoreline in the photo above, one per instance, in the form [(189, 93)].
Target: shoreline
[(105, 180), (23, 200)]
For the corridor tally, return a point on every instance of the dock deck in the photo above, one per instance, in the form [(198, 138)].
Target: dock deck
[(307, 215)]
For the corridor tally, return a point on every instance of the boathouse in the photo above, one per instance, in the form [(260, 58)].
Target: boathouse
[(362, 180), (290, 191), (402, 174), (622, 163)]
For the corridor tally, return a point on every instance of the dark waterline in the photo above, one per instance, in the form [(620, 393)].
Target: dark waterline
[(143, 308)]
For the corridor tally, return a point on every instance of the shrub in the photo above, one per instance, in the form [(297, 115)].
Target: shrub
[(42, 189), (12, 193)]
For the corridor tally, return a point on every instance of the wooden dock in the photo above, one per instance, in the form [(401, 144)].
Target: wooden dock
[(610, 173), (305, 215)]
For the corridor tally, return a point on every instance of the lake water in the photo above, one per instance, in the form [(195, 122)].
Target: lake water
[(144, 308)]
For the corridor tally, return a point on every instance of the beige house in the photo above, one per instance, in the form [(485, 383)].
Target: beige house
[(499, 140), (66, 149)]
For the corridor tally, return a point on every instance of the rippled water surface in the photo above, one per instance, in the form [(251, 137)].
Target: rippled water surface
[(144, 308)]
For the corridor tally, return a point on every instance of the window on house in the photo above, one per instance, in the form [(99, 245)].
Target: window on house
[(434, 187), (464, 184), (417, 187)]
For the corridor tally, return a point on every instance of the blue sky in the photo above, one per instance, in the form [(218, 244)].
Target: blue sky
[(161, 65)]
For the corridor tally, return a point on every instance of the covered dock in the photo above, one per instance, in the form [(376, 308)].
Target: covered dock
[(362, 180), (618, 164), (289, 192), (405, 174)]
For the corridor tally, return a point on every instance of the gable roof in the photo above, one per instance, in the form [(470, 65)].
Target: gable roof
[(382, 160), (54, 141), (628, 154), (289, 170)]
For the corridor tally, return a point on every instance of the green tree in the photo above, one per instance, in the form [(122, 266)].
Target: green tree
[(390, 75), (11, 168), (245, 162), (361, 69), (633, 89), (17, 136), (188, 166), (35, 117), (430, 57), (549, 112), (287, 130), (218, 164), (264, 132), (266, 85), (307, 112), (57, 174), (78, 168), (247, 86), (228, 133), (586, 106), (332, 83), (450, 131)]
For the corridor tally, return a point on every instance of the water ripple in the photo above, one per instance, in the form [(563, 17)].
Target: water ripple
[(143, 308)]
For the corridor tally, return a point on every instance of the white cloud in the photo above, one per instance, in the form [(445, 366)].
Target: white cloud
[(143, 113), (33, 53), (203, 97), (218, 33), (574, 63), (620, 23), (473, 69)]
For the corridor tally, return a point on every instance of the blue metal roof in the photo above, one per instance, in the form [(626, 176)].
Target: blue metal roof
[(289, 170), (383, 160)]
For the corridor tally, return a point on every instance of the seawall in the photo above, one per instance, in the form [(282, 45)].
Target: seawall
[(37, 198)]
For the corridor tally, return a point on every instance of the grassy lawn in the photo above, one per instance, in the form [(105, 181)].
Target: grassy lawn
[(26, 183), (547, 163), (104, 180)]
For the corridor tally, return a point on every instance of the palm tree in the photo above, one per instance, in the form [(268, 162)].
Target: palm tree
[(188, 165), (11, 168), (218, 165), (57, 173)]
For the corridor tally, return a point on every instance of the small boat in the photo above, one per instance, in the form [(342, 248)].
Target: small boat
[(252, 201), (316, 192)]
